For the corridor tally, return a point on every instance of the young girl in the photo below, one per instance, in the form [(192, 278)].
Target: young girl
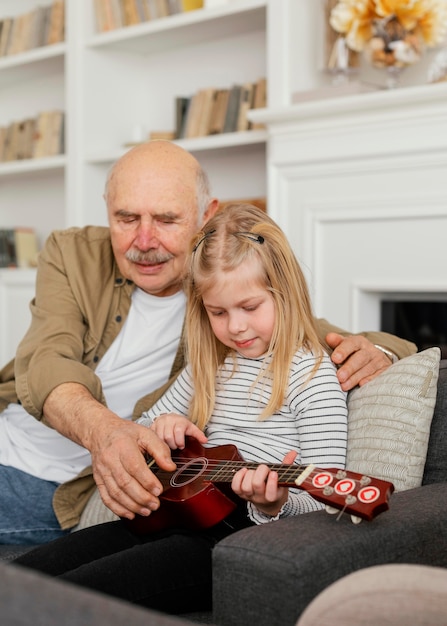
[(257, 378)]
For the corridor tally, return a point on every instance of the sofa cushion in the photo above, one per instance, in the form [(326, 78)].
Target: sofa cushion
[(389, 421), (435, 470), (95, 513), (399, 594), (268, 574)]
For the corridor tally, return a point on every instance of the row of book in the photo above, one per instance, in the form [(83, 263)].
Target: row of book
[(213, 111), (43, 26), (18, 247), (33, 138), (112, 14)]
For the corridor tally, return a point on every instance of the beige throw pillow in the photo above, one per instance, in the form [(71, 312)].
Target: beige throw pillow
[(389, 421)]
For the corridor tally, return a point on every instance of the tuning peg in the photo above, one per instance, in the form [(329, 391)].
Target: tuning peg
[(331, 510), (355, 519)]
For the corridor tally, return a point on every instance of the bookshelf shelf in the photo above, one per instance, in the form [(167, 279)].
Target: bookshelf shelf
[(215, 143), (23, 67), (184, 29), (18, 168)]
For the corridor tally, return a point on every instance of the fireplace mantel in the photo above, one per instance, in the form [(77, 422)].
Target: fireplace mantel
[(359, 184)]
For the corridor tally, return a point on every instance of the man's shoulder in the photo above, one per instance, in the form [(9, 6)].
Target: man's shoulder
[(85, 234), (91, 241)]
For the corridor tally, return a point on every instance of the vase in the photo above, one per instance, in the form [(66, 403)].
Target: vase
[(392, 48), (340, 62)]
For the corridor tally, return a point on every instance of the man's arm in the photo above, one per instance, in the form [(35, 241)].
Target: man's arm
[(357, 357), (52, 351), (117, 447)]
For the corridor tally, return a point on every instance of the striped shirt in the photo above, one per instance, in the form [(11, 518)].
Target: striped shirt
[(312, 419)]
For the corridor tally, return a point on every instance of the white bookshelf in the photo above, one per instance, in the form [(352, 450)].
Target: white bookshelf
[(109, 83)]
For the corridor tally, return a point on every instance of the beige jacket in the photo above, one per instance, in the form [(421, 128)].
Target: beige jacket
[(81, 303)]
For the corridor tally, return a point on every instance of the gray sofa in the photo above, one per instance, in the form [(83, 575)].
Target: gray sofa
[(268, 575)]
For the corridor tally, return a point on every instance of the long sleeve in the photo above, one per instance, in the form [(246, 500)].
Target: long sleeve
[(321, 419)]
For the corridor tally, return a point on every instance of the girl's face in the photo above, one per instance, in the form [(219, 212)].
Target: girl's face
[(241, 310)]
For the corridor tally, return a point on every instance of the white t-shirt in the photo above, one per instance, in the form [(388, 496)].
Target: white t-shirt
[(138, 361)]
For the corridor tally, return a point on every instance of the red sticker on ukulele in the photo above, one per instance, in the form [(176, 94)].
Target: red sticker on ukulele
[(345, 486), (322, 480), (368, 494)]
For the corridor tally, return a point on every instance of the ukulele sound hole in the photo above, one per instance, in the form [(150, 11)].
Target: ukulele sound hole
[(188, 472)]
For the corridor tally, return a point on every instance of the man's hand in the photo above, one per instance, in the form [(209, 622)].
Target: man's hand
[(117, 447), (358, 359), (125, 483)]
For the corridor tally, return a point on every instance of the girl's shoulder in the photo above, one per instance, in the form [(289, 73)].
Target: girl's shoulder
[(305, 360)]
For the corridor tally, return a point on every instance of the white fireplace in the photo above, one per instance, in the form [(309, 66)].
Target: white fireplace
[(359, 184)]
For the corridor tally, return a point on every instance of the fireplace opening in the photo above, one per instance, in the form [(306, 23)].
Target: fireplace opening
[(423, 323)]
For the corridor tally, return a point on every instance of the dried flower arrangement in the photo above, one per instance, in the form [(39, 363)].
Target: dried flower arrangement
[(393, 32)]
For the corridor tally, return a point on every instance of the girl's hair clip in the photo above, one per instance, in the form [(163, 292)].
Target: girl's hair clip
[(208, 234), (252, 236)]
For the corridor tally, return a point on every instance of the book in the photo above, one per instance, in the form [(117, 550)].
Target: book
[(174, 6), (245, 104), (147, 10), (191, 5), (18, 42), (230, 124), (37, 30), (143, 13), (152, 9), (27, 138), (55, 142), (18, 247), (12, 141), (26, 247), (207, 103), (181, 108), (259, 100), (41, 135), (56, 31), (3, 131), (27, 26), (162, 8), (219, 112), (99, 11), (7, 248), (7, 25), (49, 134), (193, 115), (14, 36), (110, 19), (130, 12)]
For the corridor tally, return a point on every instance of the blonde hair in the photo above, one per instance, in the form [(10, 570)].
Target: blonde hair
[(236, 233)]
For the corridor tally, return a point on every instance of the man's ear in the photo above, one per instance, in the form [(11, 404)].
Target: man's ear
[(211, 210)]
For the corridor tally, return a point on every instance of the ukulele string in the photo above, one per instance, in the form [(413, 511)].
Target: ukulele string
[(227, 468)]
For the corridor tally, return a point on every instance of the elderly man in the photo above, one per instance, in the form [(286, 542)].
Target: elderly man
[(106, 331)]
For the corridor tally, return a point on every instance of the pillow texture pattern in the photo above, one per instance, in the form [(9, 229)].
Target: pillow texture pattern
[(389, 421), (95, 513)]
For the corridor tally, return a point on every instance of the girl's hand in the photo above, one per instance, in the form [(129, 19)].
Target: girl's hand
[(173, 429), (260, 487)]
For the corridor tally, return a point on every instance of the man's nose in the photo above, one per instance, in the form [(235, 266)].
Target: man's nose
[(146, 237)]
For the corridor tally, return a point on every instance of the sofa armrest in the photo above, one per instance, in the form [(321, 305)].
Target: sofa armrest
[(29, 598), (268, 574)]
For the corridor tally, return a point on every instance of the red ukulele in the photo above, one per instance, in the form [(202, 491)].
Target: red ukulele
[(198, 494)]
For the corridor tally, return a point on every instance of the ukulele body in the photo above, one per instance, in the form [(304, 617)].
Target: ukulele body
[(189, 499)]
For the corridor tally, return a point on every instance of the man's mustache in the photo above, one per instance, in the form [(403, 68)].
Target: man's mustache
[(150, 257)]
